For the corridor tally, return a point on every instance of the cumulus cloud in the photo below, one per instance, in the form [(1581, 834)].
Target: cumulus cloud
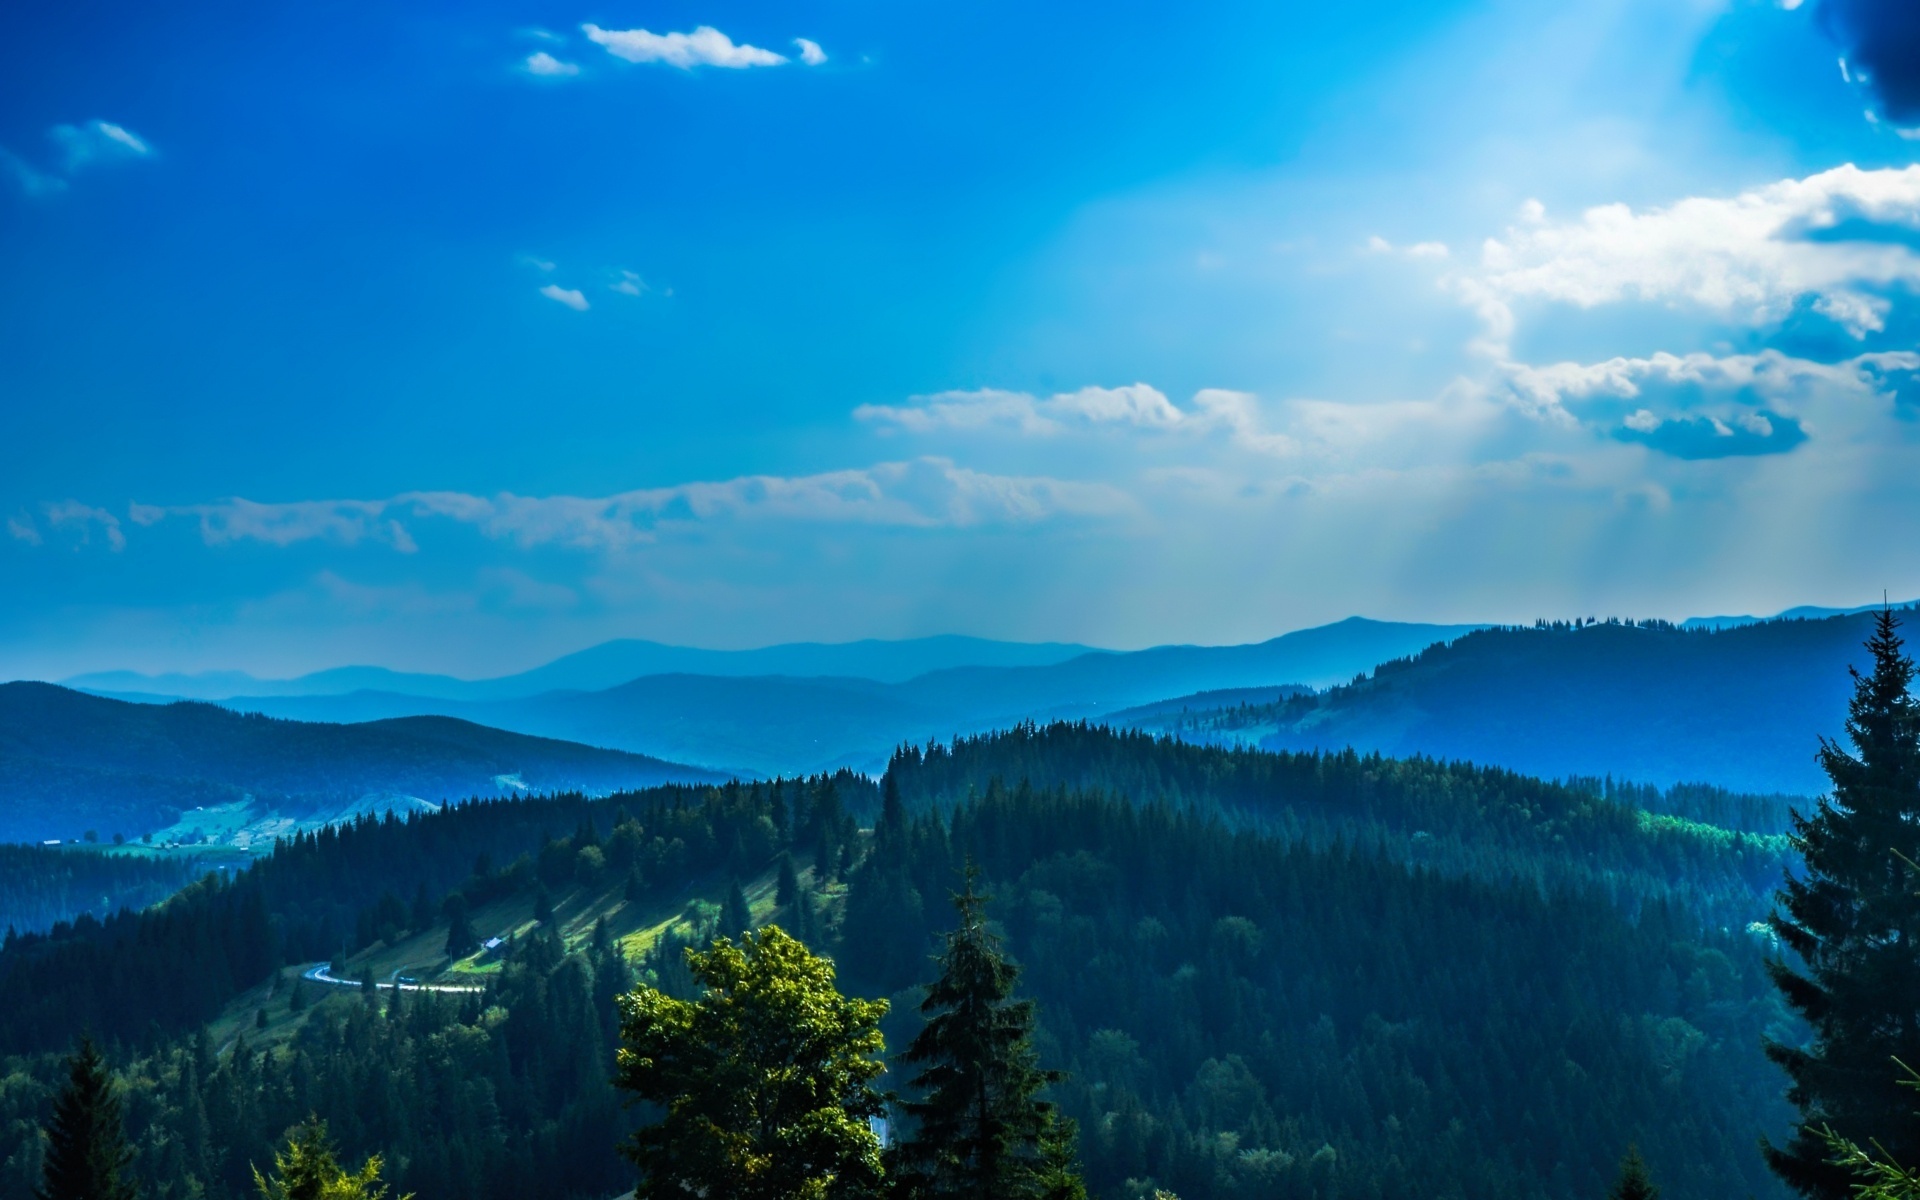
[(1882, 43), (810, 51), (704, 47), (1751, 257), (1769, 376), (573, 298), (546, 65)]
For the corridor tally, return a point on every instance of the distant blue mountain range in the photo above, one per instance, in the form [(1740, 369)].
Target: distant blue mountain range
[(607, 665), (789, 709), (1742, 706)]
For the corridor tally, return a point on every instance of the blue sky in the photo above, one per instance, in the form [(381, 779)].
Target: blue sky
[(454, 337)]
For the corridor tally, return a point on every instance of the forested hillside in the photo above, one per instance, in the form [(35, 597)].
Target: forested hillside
[(1266, 974), (41, 885), (1453, 818), (71, 762), (1741, 708)]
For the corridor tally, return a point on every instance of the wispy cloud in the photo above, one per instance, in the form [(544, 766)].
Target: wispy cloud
[(96, 142), (573, 298), (921, 493), (704, 47), (79, 148), (21, 529), (82, 521), (810, 51), (1379, 245), (547, 66), (1137, 407)]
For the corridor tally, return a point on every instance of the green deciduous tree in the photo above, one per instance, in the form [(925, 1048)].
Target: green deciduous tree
[(309, 1169), (87, 1153), (764, 1083), (978, 1123), (1853, 918)]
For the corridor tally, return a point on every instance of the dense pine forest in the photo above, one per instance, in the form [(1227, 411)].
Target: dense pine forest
[(41, 886), (1259, 974)]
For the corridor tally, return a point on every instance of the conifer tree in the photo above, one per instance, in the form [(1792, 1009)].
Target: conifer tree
[(461, 940), (87, 1153), (787, 885), (736, 918), (978, 1122), (1853, 918), (1633, 1182), (1060, 1162), (309, 1169)]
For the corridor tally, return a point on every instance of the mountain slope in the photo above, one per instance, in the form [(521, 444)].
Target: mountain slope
[(74, 761), (781, 724), (1742, 707)]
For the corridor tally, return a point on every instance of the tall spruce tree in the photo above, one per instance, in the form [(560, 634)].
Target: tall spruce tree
[(1853, 918), (1633, 1182), (736, 918), (978, 1124), (87, 1153)]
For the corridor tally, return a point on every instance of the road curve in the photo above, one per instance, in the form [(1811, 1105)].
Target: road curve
[(319, 973)]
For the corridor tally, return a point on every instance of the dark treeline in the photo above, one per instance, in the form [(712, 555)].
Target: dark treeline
[(310, 899), (1454, 817), (41, 886), (495, 1098), (1242, 1016), (1742, 812)]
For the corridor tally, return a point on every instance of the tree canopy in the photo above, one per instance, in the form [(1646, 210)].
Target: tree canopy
[(764, 1082)]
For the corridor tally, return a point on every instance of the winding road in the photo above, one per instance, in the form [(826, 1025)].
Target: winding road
[(320, 973)]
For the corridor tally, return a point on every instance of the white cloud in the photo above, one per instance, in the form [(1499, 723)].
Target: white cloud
[(1750, 257), (546, 65), (704, 47), (810, 51), (96, 142), (630, 284), (1769, 375), (573, 298)]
